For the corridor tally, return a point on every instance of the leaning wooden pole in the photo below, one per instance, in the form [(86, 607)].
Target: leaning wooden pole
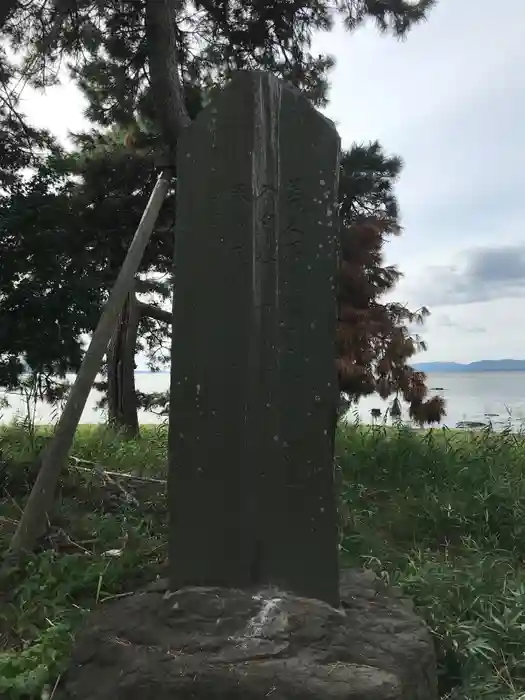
[(33, 521)]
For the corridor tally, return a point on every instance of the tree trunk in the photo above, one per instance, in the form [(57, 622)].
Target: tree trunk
[(163, 51), (122, 398), (33, 521)]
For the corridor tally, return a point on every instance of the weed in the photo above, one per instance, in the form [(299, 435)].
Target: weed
[(438, 513), (107, 539), (441, 514)]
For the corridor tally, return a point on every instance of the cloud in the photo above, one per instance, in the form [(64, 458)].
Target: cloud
[(444, 321), (480, 274), (455, 113), (450, 100)]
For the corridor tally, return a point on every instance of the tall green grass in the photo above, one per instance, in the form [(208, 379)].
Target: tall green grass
[(442, 514), (108, 537), (438, 513)]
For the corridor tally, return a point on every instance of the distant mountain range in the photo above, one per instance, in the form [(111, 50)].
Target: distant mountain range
[(480, 366)]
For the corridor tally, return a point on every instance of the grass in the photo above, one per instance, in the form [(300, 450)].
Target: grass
[(443, 515), (439, 513), (94, 520)]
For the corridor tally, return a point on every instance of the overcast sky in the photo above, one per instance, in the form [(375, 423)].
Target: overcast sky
[(450, 100)]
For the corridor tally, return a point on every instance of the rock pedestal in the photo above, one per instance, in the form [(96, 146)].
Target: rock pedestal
[(213, 643)]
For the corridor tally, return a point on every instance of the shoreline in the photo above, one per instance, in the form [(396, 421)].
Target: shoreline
[(470, 397), (348, 428)]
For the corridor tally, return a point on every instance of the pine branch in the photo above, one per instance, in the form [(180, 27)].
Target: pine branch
[(154, 312)]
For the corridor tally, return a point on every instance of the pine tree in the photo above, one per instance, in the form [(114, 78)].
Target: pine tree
[(71, 234), (152, 60), (108, 45)]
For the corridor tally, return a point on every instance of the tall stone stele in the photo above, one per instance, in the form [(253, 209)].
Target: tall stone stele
[(253, 383), (253, 401)]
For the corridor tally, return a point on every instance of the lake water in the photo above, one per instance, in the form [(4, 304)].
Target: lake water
[(498, 397)]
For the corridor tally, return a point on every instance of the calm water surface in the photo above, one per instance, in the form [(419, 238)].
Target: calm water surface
[(495, 397), (498, 397)]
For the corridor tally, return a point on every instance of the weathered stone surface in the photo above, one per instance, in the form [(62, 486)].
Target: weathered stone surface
[(205, 643), (253, 381)]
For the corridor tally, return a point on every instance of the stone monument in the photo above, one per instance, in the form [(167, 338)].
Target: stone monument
[(254, 606), (253, 382)]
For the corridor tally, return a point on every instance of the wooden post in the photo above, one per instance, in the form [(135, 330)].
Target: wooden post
[(33, 521)]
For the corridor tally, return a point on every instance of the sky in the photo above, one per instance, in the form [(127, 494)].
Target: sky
[(450, 100)]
